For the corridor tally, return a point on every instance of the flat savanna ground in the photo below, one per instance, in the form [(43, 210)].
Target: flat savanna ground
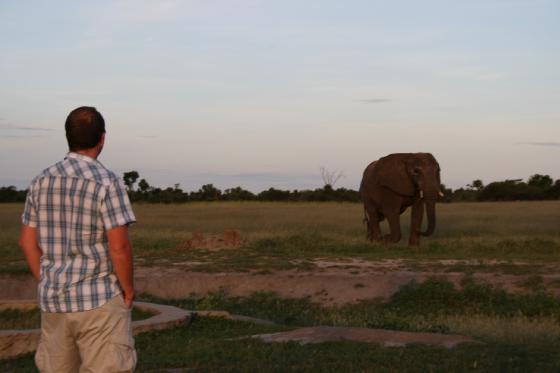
[(477, 243), (509, 237)]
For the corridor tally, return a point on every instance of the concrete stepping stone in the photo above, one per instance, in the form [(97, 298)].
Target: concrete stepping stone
[(229, 316), (389, 338), (16, 342)]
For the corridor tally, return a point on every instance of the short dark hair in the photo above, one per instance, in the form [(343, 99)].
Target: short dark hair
[(84, 128)]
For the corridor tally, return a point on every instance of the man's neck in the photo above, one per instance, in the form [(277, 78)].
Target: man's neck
[(92, 153)]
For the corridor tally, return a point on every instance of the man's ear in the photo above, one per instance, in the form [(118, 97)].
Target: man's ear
[(101, 142)]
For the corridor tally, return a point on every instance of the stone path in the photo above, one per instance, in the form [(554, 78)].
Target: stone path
[(389, 338), (319, 334)]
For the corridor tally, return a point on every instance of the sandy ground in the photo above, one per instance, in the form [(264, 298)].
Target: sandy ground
[(329, 283)]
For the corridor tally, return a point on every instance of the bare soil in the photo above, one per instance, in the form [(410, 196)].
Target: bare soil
[(329, 282)]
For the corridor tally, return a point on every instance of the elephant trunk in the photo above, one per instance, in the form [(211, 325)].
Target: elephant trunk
[(431, 214)]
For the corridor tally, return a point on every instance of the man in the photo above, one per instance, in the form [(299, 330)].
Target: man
[(75, 240)]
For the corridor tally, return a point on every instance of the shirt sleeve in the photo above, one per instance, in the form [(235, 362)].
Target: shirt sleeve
[(29, 216), (116, 210)]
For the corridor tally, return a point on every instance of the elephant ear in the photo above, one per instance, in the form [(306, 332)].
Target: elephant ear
[(392, 172)]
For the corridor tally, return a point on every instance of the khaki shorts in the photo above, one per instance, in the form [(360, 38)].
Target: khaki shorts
[(99, 340)]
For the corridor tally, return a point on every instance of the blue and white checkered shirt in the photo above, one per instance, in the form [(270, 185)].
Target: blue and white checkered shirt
[(72, 204)]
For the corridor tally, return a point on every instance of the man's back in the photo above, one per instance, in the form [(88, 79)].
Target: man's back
[(72, 204)]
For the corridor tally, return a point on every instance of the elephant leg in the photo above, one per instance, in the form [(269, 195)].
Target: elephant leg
[(373, 229), (391, 209), (395, 226), (416, 222)]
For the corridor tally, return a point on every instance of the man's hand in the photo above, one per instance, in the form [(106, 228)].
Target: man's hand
[(31, 250), (128, 298), (120, 250)]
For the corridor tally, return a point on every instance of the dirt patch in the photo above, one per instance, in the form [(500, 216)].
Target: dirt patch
[(345, 282), (440, 266), (329, 286)]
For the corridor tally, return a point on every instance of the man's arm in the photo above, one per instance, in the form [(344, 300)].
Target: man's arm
[(31, 250), (120, 250)]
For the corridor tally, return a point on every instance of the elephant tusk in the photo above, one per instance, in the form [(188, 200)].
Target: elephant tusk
[(421, 194), (441, 194)]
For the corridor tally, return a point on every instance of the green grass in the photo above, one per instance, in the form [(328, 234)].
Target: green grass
[(12, 318), (289, 235), (519, 333), (207, 346), (432, 306), (212, 345)]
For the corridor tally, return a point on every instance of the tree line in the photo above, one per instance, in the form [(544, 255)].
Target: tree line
[(143, 191), (537, 187)]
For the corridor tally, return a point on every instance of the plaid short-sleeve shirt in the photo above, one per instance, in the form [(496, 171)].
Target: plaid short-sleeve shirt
[(72, 204)]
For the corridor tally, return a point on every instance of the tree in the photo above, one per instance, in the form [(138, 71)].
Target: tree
[(510, 190), (130, 178), (477, 185), (238, 194), (330, 178), (447, 193), (207, 192), (554, 191), (143, 186), (540, 181), (273, 194), (11, 194)]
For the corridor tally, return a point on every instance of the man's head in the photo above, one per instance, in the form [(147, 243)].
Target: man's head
[(85, 129)]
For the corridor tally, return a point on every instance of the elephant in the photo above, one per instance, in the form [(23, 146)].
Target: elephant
[(393, 183)]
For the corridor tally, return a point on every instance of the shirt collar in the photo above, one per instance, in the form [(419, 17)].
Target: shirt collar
[(82, 157)]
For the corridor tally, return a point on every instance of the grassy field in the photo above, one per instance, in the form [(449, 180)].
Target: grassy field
[(288, 235), (519, 332), (212, 345)]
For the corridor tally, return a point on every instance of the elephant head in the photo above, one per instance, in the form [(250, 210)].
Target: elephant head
[(415, 175)]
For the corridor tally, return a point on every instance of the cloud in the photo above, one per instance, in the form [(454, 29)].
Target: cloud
[(24, 128), (374, 100), (554, 144)]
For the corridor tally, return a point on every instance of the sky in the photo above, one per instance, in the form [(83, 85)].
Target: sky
[(264, 93)]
